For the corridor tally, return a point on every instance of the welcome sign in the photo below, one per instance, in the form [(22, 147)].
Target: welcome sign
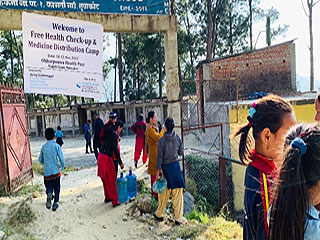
[(95, 6), (62, 56)]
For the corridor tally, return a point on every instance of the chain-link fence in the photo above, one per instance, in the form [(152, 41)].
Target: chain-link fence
[(210, 113)]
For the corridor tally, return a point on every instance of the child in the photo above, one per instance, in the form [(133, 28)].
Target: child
[(169, 147), (293, 214), (270, 119), (87, 135), (59, 135), (139, 128), (48, 157)]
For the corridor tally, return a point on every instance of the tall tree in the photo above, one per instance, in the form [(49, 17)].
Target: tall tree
[(310, 4), (250, 22), (120, 68), (212, 27), (268, 31)]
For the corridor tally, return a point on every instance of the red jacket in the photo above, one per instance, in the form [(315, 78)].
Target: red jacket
[(139, 128)]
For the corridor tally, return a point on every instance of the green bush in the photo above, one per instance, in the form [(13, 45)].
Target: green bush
[(205, 174)]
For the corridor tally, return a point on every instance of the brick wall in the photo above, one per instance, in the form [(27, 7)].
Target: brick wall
[(270, 69)]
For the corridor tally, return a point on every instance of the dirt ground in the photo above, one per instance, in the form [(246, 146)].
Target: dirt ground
[(82, 213)]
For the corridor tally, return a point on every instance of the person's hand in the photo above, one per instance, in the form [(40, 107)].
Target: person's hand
[(122, 166), (157, 175), (164, 128)]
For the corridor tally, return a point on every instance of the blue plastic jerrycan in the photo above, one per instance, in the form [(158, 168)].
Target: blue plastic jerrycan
[(131, 185), (122, 188)]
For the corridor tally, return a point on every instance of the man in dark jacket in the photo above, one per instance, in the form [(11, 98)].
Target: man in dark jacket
[(97, 129), (106, 165)]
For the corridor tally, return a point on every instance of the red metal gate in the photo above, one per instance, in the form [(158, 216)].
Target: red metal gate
[(15, 159)]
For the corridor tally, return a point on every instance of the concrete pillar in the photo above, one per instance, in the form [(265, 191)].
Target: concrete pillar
[(135, 113), (73, 125), (173, 86), (144, 110), (58, 118), (127, 120), (29, 124), (43, 122), (37, 127)]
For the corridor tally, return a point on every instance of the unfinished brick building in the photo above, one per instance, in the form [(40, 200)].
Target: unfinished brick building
[(271, 69)]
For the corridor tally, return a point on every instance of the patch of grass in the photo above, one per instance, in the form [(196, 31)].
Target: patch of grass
[(221, 229), (21, 213), (142, 187), (37, 168), (28, 189), (70, 168), (198, 216), (188, 231)]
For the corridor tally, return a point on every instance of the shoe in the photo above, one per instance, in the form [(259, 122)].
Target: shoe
[(116, 205), (177, 223), (136, 164), (159, 219), (92, 151), (49, 199), (107, 200), (87, 152), (55, 206)]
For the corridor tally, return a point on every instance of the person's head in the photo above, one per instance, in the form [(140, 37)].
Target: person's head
[(88, 121), (140, 117), (152, 118), (317, 107), (59, 128), (95, 115), (298, 184), (49, 134), (119, 126), (169, 123), (270, 119), (113, 117)]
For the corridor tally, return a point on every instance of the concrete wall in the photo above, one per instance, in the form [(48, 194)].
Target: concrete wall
[(72, 119)]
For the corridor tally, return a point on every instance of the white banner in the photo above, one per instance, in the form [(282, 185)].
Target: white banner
[(62, 56)]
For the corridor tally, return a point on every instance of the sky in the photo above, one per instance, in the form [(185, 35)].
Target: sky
[(292, 14)]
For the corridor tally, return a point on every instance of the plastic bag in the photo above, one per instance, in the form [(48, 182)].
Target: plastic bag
[(160, 185)]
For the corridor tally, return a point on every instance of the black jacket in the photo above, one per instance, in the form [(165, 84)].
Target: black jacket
[(110, 144), (97, 129)]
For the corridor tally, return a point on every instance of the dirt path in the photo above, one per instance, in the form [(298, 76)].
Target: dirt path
[(82, 213)]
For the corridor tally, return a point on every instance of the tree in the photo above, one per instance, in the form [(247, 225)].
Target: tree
[(10, 57), (212, 27), (120, 69), (142, 63), (310, 4)]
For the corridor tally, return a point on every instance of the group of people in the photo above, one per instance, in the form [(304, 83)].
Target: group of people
[(282, 180), (162, 147)]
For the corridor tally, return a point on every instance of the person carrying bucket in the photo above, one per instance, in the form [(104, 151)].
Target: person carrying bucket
[(106, 167)]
